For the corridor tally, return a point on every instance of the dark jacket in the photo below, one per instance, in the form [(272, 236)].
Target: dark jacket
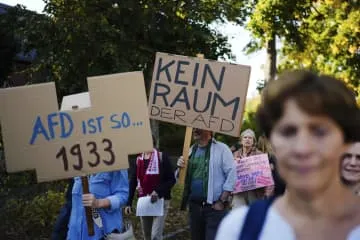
[(62, 221), (167, 179), (280, 185)]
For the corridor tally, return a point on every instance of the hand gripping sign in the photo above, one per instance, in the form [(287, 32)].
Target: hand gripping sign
[(64, 144)]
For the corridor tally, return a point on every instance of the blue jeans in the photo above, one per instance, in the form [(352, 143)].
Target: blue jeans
[(204, 221)]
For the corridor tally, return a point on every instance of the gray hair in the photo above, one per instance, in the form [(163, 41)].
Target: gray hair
[(248, 132)]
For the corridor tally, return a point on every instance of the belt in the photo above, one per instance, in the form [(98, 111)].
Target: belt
[(201, 203)]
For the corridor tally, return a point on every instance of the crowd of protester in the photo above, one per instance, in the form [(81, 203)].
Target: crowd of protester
[(311, 135)]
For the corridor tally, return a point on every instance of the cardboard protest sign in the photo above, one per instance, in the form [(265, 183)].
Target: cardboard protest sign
[(253, 172), (199, 93), (63, 144)]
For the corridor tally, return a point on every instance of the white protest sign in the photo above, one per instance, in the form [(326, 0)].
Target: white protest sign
[(62, 144), (198, 93), (79, 101), (145, 207)]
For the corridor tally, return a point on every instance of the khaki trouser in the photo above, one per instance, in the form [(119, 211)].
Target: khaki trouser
[(153, 227)]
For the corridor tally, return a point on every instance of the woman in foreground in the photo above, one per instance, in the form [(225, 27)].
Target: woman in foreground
[(310, 121)]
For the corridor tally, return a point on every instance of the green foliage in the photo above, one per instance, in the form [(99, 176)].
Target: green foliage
[(27, 209), (250, 122), (229, 140), (15, 181), (270, 18), (8, 48), (30, 218), (170, 137), (322, 35), (331, 42), (260, 85), (249, 115), (24, 183), (92, 37)]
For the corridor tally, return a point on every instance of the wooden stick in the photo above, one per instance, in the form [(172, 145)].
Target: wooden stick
[(186, 147), (88, 210)]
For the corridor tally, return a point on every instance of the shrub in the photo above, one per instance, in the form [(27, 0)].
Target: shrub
[(30, 218)]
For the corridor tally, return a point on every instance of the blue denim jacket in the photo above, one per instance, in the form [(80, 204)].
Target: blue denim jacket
[(222, 171), (111, 185)]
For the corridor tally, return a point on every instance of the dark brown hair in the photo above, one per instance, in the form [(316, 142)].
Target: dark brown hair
[(316, 95)]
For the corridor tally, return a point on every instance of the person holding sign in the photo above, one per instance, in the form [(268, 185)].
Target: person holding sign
[(209, 181), (350, 170), (108, 193), (310, 120), (153, 175), (247, 148)]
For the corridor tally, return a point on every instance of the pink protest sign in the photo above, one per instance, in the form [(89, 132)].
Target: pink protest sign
[(253, 172)]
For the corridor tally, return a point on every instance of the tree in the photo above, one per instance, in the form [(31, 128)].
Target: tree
[(268, 21), (321, 35), (88, 37), (8, 49), (331, 42), (76, 39)]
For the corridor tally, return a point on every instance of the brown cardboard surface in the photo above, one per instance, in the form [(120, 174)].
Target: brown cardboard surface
[(110, 95), (199, 93)]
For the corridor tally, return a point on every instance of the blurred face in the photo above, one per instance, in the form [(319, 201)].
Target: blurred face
[(308, 149), (201, 135), (247, 140), (350, 169)]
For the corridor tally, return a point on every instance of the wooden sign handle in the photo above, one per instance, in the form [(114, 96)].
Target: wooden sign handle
[(185, 154), (88, 210), (186, 147)]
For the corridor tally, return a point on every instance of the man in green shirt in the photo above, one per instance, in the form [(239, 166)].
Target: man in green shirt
[(210, 179)]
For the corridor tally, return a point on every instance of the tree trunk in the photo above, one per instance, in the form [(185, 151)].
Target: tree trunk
[(270, 71)]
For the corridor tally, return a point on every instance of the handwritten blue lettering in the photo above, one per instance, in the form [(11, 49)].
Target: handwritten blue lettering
[(217, 83), (235, 102), (38, 129), (91, 125), (164, 68), (163, 94), (99, 122), (180, 71), (182, 96), (52, 122), (125, 121), (65, 133)]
